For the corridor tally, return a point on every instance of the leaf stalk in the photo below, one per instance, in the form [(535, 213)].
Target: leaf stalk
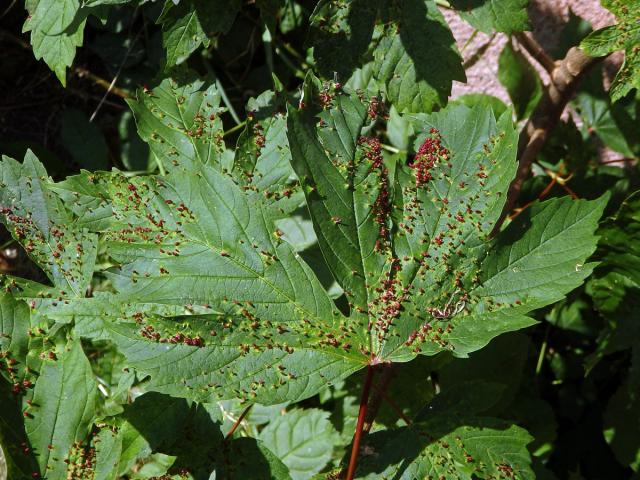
[(364, 400)]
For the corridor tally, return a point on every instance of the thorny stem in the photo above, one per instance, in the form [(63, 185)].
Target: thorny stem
[(244, 413), (364, 400)]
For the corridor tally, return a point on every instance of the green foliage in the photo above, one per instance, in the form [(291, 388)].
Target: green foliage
[(302, 439), (625, 35), (276, 216), (453, 447), (401, 66), (494, 15), (520, 79), (57, 29), (187, 25)]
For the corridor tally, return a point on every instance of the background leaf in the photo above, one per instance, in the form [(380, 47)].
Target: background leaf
[(302, 439)]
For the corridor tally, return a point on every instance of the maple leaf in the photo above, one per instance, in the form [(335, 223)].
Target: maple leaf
[(211, 302)]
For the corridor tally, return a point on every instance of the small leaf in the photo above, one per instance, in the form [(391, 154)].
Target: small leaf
[(302, 439), (56, 31), (625, 35), (188, 25), (599, 118), (494, 15), (262, 151)]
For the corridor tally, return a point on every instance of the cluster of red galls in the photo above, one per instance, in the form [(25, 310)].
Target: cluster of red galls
[(428, 154)]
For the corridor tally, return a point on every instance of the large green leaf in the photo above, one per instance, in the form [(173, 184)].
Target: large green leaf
[(414, 258), (451, 447), (62, 408), (494, 15), (211, 303), (302, 439), (625, 35), (194, 241)]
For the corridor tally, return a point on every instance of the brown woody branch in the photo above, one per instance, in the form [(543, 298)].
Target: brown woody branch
[(564, 79), (536, 51)]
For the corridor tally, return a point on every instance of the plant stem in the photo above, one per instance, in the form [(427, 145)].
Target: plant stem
[(389, 148), (536, 51), (229, 435), (543, 351), (364, 400), (235, 129), (221, 91), (382, 384), (469, 40)]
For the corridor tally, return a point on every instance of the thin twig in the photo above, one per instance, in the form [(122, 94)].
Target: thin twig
[(244, 413), (235, 128), (221, 91), (6, 10), (617, 160), (364, 400), (469, 40), (564, 80), (79, 71), (536, 51), (543, 350), (120, 67), (394, 406), (477, 55)]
